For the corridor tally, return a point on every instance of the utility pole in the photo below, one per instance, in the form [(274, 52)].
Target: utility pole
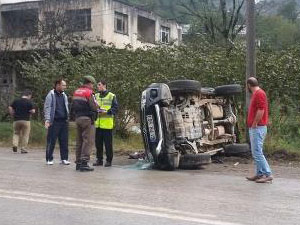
[(251, 57)]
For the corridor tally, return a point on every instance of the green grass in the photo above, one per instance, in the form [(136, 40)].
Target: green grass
[(289, 149), (37, 136), (274, 143), (39, 133)]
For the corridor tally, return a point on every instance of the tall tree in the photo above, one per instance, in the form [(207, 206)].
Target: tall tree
[(222, 20), (289, 10)]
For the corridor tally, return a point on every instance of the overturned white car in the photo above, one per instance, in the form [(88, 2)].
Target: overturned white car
[(183, 125)]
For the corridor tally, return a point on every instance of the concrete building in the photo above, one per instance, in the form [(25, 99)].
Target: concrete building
[(24, 22), (47, 24)]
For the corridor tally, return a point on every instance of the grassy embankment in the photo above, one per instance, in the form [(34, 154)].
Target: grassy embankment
[(283, 140), (38, 137)]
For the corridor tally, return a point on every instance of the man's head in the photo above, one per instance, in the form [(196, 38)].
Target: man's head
[(89, 81), (60, 85), (27, 94), (101, 86), (252, 84)]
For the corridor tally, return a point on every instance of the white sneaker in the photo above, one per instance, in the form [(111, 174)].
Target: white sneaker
[(65, 162), (50, 162)]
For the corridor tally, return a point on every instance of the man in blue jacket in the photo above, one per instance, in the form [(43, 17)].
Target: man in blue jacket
[(56, 112)]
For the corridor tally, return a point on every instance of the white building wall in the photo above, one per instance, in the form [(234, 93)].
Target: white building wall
[(102, 24)]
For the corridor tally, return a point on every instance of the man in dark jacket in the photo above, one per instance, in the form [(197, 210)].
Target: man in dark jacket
[(21, 110), (56, 112), (108, 104), (84, 108)]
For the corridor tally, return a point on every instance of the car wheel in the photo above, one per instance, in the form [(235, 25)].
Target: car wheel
[(237, 150), (184, 86), (168, 161), (194, 161), (226, 90), (207, 91)]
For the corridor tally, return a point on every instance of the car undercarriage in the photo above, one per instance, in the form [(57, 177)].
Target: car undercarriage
[(183, 124)]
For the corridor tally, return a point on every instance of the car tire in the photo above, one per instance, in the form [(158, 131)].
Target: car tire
[(167, 162), (227, 90), (237, 150), (194, 161), (208, 91), (184, 86)]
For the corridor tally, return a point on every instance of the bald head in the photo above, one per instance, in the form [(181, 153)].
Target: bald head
[(252, 81)]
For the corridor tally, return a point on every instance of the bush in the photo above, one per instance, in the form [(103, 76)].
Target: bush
[(128, 72)]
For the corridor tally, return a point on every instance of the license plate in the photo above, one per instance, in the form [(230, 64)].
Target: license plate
[(151, 128)]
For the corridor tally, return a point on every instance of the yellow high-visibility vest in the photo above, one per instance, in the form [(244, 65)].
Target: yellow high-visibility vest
[(105, 121)]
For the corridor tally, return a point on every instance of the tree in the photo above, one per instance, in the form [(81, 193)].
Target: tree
[(277, 32), (7, 83), (221, 21), (289, 10), (55, 27)]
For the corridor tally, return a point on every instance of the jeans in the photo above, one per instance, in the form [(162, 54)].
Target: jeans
[(257, 137), (57, 130), (104, 136)]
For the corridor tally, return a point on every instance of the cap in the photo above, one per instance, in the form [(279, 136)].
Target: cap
[(90, 79)]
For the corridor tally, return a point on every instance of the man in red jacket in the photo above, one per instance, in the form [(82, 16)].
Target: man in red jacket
[(257, 122), (84, 108)]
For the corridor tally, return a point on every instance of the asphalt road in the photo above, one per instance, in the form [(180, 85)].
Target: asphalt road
[(34, 193)]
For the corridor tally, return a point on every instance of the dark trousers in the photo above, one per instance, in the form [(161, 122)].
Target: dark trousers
[(84, 139), (57, 130), (104, 136)]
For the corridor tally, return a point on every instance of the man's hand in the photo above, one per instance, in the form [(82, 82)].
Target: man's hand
[(257, 118), (47, 124), (32, 111), (254, 125), (11, 111), (102, 111)]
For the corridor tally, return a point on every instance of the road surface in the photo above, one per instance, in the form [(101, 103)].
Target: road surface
[(34, 193)]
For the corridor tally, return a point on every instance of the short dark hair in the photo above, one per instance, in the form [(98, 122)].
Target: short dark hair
[(26, 92), (252, 81), (58, 82), (103, 82), (86, 81)]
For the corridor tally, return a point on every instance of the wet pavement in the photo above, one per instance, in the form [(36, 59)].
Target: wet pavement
[(33, 193)]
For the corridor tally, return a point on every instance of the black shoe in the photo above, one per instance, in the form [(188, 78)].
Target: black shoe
[(84, 167), (78, 166), (107, 164), (98, 163), (15, 149), (23, 151)]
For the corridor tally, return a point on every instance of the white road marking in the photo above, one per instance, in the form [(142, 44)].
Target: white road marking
[(112, 206), (107, 203)]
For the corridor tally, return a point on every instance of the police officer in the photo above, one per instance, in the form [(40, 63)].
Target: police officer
[(84, 108), (105, 123)]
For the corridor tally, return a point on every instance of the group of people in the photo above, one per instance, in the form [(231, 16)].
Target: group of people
[(99, 110), (89, 111)]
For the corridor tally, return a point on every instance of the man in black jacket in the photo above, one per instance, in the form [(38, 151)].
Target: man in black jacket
[(21, 110)]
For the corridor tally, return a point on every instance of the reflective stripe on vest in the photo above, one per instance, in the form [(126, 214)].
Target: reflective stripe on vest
[(105, 121)]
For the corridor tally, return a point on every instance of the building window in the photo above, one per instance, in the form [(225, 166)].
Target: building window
[(78, 20), (121, 23), (20, 23), (146, 30), (165, 34)]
